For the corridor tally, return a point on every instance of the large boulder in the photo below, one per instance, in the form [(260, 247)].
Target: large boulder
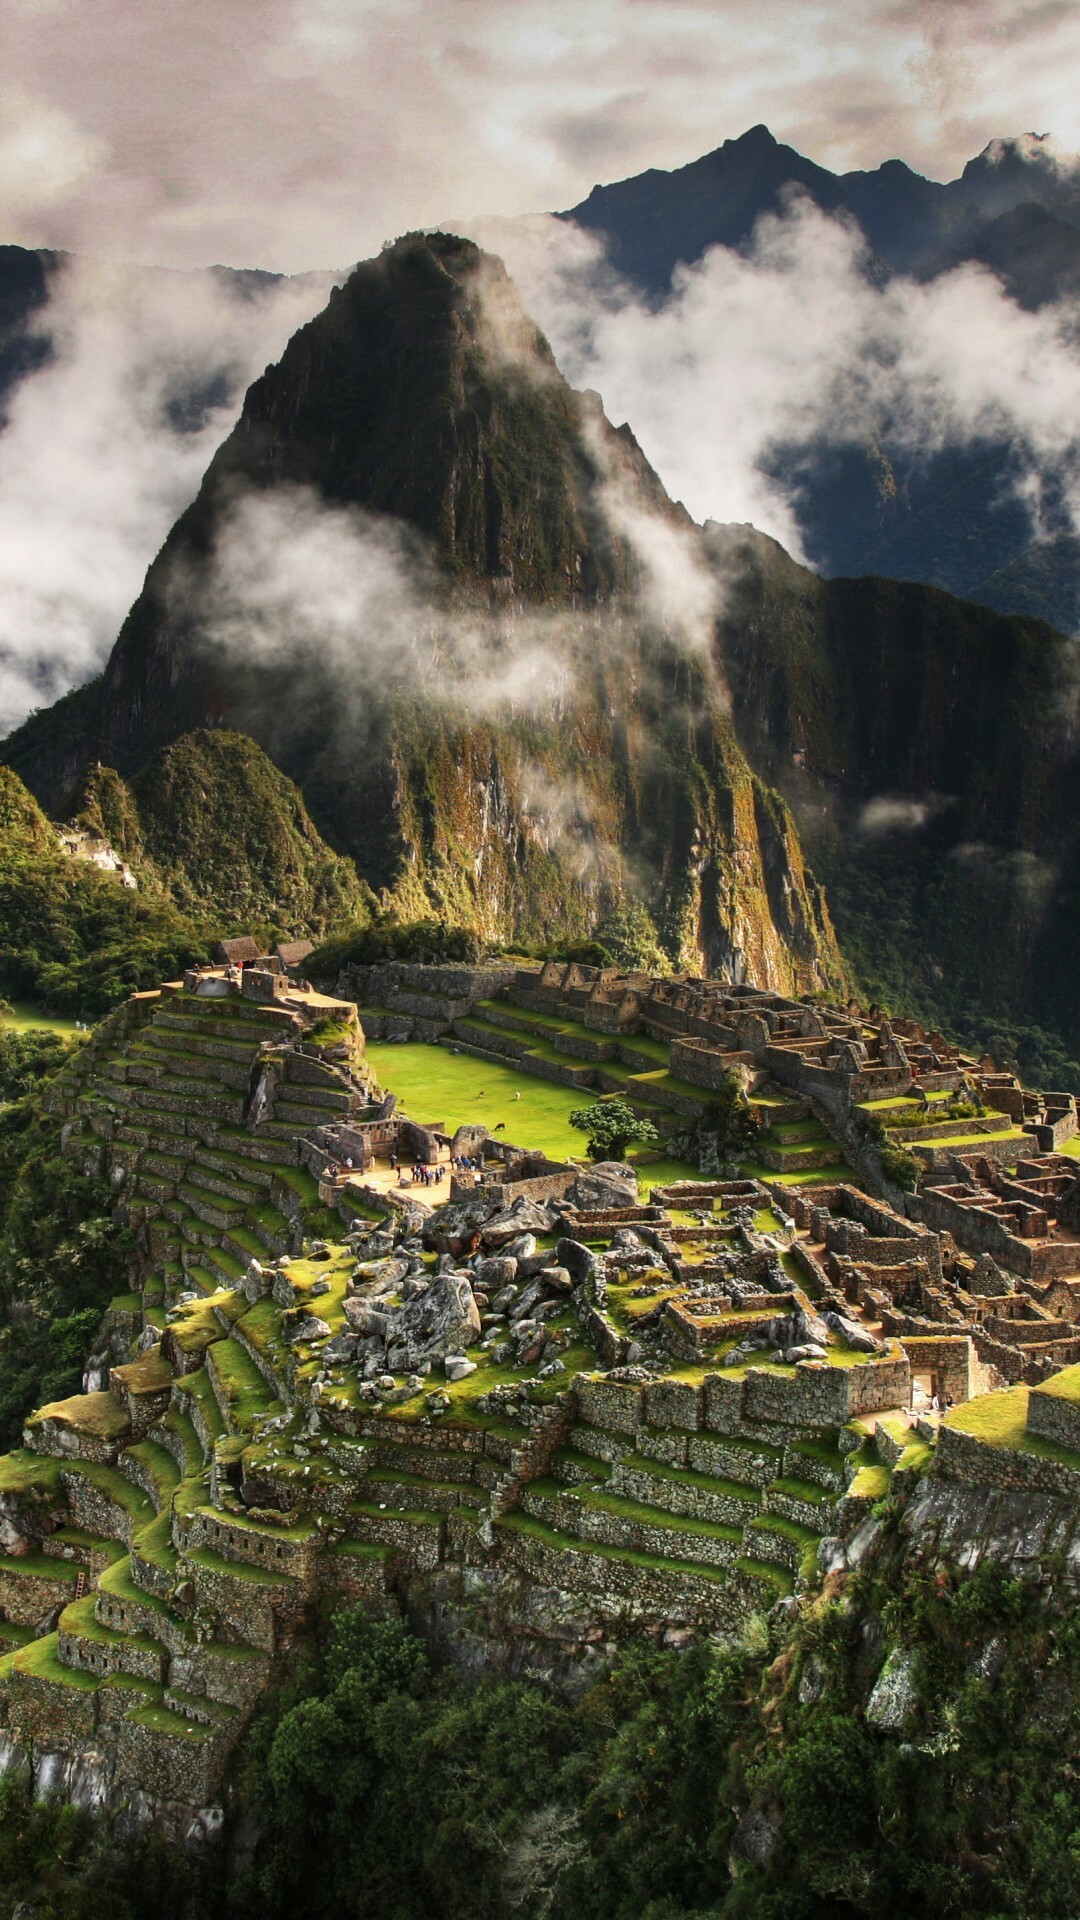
[(469, 1141), (444, 1319), (455, 1228), (524, 1216), (858, 1337), (610, 1183)]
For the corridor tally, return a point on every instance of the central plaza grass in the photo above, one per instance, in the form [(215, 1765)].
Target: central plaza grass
[(433, 1084), (23, 1016)]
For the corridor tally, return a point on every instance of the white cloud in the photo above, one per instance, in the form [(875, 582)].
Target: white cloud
[(94, 467), (297, 133), (791, 341), (893, 813)]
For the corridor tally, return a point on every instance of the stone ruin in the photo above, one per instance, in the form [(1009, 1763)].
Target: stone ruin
[(548, 1408)]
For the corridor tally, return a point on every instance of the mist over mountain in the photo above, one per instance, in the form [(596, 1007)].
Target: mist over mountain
[(519, 686), (983, 508), (458, 608)]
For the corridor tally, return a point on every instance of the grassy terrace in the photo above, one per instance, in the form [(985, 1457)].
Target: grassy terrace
[(23, 1017), (434, 1084), (243, 1386), (1000, 1420), (962, 1139)]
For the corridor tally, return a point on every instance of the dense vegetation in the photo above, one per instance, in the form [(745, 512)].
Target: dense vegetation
[(219, 841), (386, 937), (611, 1127), (73, 938), (741, 1781), (62, 1258), (224, 830), (28, 1057)]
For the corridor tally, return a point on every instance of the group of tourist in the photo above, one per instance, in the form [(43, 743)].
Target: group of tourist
[(420, 1176)]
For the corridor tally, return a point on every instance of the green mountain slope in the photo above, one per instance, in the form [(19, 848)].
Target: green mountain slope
[(218, 840)]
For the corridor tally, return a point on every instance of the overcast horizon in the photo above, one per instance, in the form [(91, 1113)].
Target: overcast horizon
[(299, 134)]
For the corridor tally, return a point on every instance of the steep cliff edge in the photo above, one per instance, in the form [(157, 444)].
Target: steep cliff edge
[(929, 749)]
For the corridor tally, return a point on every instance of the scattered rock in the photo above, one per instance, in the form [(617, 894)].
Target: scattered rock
[(457, 1366), (496, 1273), (309, 1328), (340, 1349), (555, 1280), (857, 1336)]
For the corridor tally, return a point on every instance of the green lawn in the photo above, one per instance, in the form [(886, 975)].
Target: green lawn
[(434, 1084), (23, 1016)]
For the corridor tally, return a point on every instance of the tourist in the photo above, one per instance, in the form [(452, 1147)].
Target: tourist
[(393, 1163)]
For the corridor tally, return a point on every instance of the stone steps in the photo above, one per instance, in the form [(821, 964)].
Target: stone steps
[(83, 1643), (232, 1030), (227, 1186), (175, 1064), (572, 1468), (303, 1093), (170, 1035), (151, 1467), (245, 1168), (565, 1560), (226, 1268), (211, 1208), (255, 1148), (199, 1708), (298, 1114), (782, 1542), (416, 1533), (94, 1551), (811, 1460), (799, 1500)]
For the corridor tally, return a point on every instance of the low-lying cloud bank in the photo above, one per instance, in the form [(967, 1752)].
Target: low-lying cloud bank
[(794, 342), (106, 444)]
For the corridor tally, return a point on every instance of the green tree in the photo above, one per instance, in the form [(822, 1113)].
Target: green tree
[(611, 1126), (728, 1117), (629, 935)]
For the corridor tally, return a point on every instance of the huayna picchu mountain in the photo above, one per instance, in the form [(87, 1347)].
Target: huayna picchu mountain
[(516, 683), (516, 730)]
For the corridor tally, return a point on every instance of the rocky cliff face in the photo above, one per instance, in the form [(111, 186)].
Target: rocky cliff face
[(931, 753), (456, 606)]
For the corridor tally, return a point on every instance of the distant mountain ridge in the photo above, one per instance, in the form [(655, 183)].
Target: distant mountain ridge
[(656, 220), (954, 519)]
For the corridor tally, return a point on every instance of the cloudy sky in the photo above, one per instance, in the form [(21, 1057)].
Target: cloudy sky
[(302, 133)]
